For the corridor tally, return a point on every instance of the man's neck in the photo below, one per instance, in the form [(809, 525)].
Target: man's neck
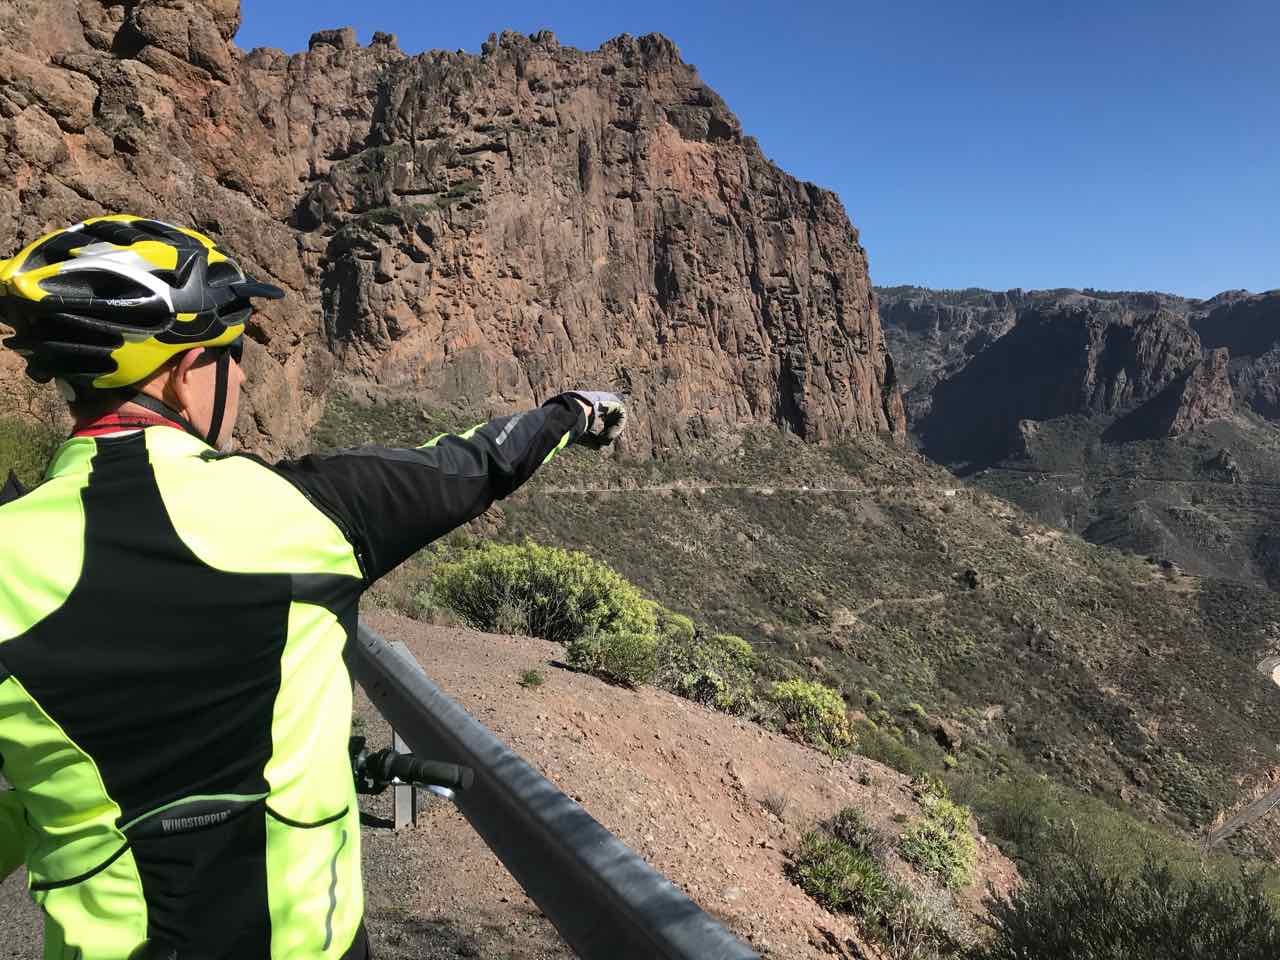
[(128, 417)]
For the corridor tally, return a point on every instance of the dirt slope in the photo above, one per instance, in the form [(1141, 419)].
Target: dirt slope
[(678, 783)]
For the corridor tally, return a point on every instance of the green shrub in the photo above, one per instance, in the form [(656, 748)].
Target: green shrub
[(531, 679), (512, 616), (559, 595), (930, 785), (844, 879), (1036, 822), (673, 628), (882, 747), (628, 656), (715, 670), (817, 710), (852, 827), (939, 843), (1080, 911), (871, 697), (25, 448), (841, 864)]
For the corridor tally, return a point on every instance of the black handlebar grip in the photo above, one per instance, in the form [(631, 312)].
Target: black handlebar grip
[(449, 775)]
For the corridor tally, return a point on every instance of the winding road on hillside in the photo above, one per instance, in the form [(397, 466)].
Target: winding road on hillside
[(1121, 477)]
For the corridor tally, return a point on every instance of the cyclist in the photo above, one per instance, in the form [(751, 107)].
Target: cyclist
[(174, 707)]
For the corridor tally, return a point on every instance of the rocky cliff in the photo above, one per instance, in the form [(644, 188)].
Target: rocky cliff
[(1132, 345), (1140, 420), (477, 231), (1248, 326), (1072, 354)]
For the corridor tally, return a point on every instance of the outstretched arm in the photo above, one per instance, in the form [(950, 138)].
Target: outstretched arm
[(391, 502)]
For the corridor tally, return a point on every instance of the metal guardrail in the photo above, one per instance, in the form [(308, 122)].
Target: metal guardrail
[(606, 902)]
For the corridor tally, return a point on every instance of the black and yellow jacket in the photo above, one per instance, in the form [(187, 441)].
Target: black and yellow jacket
[(174, 706)]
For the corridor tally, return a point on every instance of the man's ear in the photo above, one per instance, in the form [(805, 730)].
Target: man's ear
[(181, 385)]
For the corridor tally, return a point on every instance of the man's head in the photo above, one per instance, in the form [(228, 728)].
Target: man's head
[(125, 309)]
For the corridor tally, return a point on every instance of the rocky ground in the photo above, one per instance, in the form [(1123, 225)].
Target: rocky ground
[(683, 786)]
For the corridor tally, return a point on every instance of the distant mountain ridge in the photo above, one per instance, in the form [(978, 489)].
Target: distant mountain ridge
[(1054, 397), (934, 334)]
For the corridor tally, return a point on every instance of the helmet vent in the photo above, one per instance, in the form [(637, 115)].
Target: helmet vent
[(222, 273), (95, 285), (66, 328), (57, 249)]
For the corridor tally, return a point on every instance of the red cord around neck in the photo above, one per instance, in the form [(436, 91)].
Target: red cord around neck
[(116, 422)]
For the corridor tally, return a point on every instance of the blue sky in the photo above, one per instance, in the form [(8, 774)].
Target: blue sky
[(1118, 145)]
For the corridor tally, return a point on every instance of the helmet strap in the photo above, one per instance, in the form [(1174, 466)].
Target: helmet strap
[(220, 391), (148, 402), (219, 397)]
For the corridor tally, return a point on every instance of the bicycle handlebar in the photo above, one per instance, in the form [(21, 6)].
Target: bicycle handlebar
[(376, 771), (430, 772)]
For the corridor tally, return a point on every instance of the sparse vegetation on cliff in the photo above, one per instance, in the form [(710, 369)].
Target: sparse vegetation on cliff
[(843, 863)]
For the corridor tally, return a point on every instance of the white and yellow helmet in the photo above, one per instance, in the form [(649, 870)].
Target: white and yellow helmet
[(107, 302)]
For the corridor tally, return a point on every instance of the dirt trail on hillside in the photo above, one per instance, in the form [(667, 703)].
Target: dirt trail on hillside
[(1085, 476), (764, 489), (681, 785)]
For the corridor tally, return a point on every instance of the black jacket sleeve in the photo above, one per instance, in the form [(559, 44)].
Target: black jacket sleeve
[(391, 502)]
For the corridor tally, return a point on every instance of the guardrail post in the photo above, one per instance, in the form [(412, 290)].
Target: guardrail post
[(403, 795)]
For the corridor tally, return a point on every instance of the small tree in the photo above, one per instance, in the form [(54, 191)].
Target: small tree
[(558, 595), (715, 670)]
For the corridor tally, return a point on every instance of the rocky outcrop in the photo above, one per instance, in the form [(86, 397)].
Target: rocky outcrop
[(1123, 417), (1204, 394), (936, 334), (1073, 355), (1199, 396), (933, 334), (931, 331), (1248, 326), (477, 231)]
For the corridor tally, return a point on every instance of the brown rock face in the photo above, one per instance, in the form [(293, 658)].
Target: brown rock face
[(1205, 394), (1249, 326), (480, 231)]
